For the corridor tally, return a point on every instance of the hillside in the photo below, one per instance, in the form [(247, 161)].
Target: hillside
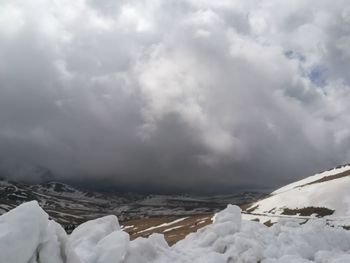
[(322, 195)]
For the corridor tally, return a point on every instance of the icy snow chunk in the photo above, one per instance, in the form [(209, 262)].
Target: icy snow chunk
[(21, 231), (332, 257), (287, 259), (226, 222), (231, 214), (53, 247), (147, 249), (112, 248), (26, 235), (84, 240)]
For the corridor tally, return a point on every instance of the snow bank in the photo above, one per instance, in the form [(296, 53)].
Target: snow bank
[(28, 236)]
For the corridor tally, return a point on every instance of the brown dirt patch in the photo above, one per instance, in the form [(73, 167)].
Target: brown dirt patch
[(308, 211), (173, 232)]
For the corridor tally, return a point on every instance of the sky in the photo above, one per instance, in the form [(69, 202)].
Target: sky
[(177, 95)]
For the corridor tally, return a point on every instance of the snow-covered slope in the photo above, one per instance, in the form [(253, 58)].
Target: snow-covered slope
[(27, 235), (324, 195)]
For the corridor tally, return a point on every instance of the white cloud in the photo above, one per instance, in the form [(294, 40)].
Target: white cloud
[(11, 20)]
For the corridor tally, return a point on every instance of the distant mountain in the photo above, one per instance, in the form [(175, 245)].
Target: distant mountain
[(324, 195), (70, 206)]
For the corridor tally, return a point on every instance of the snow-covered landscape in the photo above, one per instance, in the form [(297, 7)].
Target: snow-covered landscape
[(174, 131), (27, 234)]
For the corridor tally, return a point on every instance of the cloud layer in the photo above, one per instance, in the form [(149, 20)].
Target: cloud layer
[(174, 95)]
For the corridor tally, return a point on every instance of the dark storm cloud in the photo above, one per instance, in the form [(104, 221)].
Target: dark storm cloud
[(176, 95)]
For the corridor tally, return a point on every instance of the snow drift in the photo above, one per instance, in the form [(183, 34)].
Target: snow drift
[(27, 235)]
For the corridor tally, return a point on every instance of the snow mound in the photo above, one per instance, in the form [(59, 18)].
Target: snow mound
[(28, 236)]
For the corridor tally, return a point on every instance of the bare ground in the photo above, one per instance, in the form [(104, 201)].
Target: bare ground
[(174, 228)]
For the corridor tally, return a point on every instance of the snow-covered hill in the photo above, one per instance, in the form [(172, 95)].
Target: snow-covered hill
[(322, 195)]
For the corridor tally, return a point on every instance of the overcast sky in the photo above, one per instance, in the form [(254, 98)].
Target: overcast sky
[(176, 95)]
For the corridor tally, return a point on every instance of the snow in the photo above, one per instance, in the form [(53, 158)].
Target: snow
[(85, 241), (112, 248), (173, 228), (311, 179), (27, 235), (163, 225), (127, 227), (332, 194)]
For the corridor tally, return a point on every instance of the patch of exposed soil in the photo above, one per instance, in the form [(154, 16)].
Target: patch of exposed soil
[(308, 211), (250, 210), (174, 228)]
